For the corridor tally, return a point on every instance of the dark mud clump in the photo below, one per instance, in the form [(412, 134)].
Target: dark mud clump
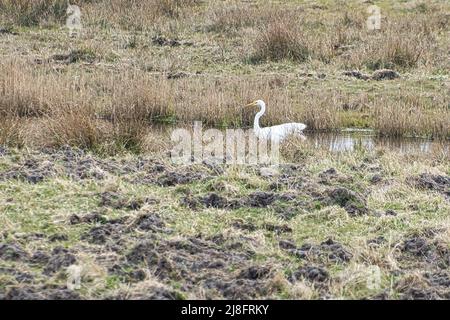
[(153, 292), (93, 217), (433, 182), (142, 252), (98, 235), (31, 170), (311, 273), (385, 74), (78, 165), (257, 199), (245, 226), (47, 292), (416, 245), (278, 229), (73, 163), (173, 178), (419, 294), (287, 245), (3, 151), (376, 241), (86, 168), (333, 250), (376, 178), (12, 252), (191, 202), (58, 237), (352, 202), (21, 277), (39, 257), (158, 293), (331, 175), (150, 221), (289, 211), (118, 201), (356, 74), (203, 264), (417, 249), (7, 31), (428, 286), (263, 198), (329, 251), (260, 199), (110, 232), (127, 273), (213, 200), (162, 41), (390, 212), (327, 175), (236, 288), (438, 278), (177, 75), (215, 165), (60, 258), (254, 272)]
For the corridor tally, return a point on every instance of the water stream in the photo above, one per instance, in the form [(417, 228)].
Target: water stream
[(352, 140), (349, 140)]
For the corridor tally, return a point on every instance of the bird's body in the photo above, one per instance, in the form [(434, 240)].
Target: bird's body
[(275, 133)]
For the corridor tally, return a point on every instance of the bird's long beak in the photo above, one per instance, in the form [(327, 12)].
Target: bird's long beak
[(251, 104)]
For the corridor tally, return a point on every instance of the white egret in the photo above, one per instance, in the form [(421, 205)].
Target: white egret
[(276, 133)]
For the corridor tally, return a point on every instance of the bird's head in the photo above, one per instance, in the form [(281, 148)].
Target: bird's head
[(258, 103)]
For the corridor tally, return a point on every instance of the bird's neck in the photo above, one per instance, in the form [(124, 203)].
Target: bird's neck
[(256, 126)]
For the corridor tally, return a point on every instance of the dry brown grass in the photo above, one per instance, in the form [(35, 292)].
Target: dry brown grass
[(399, 45), (321, 112), (275, 32), (115, 111), (126, 14), (412, 115), (75, 127), (230, 18), (137, 15), (172, 8), (278, 41), (33, 12), (404, 41), (10, 131)]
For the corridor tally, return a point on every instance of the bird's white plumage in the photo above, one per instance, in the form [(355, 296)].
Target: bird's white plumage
[(275, 133)]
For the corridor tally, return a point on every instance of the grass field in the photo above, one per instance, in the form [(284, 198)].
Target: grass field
[(86, 184), (360, 225)]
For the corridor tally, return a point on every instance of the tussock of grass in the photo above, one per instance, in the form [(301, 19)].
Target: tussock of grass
[(278, 41), (10, 131), (33, 12)]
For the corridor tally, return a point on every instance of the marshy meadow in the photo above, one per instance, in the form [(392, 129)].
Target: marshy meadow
[(91, 206)]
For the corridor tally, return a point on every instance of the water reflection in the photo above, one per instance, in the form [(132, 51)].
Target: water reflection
[(361, 139), (347, 141)]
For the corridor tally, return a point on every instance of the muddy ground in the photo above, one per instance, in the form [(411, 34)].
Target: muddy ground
[(140, 228)]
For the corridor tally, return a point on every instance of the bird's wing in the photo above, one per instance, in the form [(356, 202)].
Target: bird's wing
[(293, 127)]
